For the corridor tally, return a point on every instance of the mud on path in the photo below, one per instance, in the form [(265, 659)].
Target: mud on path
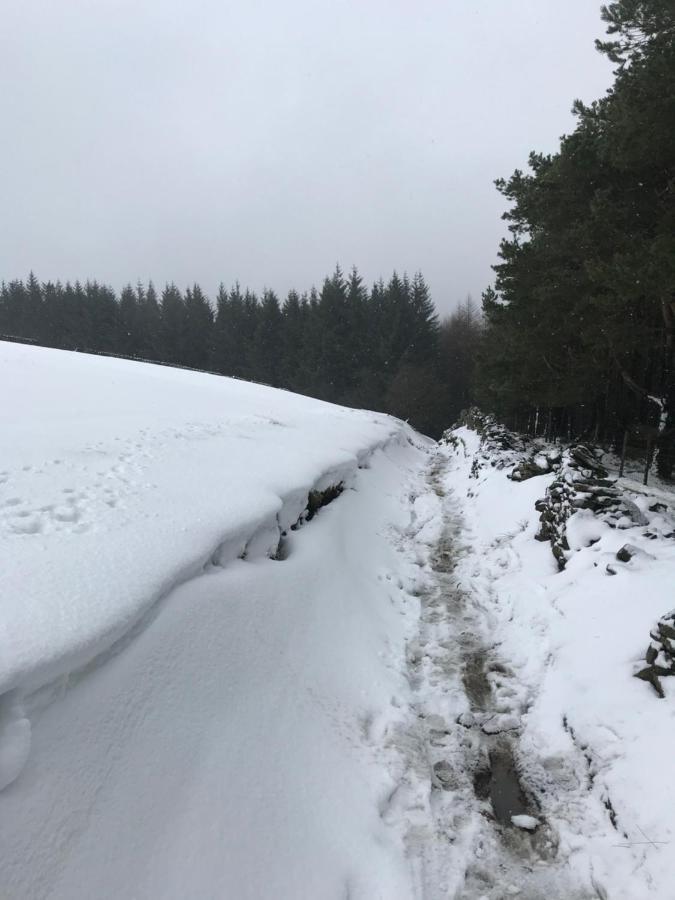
[(469, 705)]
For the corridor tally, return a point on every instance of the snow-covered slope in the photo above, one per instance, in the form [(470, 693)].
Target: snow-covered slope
[(181, 714), (121, 479)]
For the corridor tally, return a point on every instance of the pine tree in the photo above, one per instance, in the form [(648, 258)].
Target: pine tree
[(293, 364), (173, 325), (198, 338), (267, 344)]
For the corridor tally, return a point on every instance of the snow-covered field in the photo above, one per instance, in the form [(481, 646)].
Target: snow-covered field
[(204, 694)]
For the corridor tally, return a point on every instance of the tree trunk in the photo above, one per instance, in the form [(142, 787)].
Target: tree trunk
[(623, 453)]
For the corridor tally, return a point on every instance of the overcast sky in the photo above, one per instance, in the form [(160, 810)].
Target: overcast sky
[(209, 140)]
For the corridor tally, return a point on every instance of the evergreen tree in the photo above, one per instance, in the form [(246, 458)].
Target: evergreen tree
[(198, 337), (267, 343), (293, 363), (173, 325)]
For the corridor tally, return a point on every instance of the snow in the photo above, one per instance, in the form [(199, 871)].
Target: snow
[(122, 479), (234, 740), (529, 823)]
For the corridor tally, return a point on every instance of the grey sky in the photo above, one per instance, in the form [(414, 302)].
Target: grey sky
[(212, 140)]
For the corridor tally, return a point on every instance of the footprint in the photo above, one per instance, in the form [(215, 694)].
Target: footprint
[(27, 526), (66, 514), (13, 501)]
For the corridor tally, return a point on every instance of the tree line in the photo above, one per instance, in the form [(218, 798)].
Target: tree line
[(380, 348), (579, 331)]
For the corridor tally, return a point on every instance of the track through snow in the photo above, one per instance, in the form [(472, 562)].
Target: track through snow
[(459, 782)]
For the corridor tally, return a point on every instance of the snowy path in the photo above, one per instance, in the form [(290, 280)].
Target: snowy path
[(459, 786), (526, 705)]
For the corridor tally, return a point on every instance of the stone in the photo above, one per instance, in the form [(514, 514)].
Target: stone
[(650, 676), (626, 553), (585, 458), (525, 470), (666, 631)]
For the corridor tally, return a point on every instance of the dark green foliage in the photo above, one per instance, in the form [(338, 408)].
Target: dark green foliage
[(198, 335), (267, 345), (581, 328)]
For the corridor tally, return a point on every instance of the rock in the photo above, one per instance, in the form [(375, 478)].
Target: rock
[(525, 470), (651, 654), (626, 553), (585, 458), (652, 678), (610, 570), (560, 557), (658, 507), (659, 669), (665, 630)]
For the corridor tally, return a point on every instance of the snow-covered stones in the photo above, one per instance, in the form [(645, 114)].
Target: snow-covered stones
[(541, 463), (660, 655), (499, 449), (582, 483)]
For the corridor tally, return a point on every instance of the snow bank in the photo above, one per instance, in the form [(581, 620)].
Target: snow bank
[(120, 480), (232, 739)]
